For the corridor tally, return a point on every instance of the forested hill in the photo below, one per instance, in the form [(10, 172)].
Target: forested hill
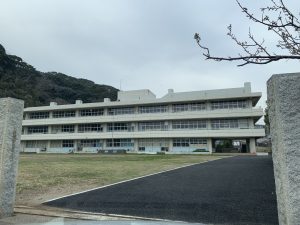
[(21, 80)]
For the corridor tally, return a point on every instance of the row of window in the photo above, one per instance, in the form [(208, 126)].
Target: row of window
[(229, 104), (119, 127), (119, 143), (189, 107), (153, 109), (142, 109), (63, 129), (145, 126), (187, 142), (219, 124), (179, 142), (189, 124), (153, 142)]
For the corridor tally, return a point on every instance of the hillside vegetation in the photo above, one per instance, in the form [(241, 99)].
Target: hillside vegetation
[(21, 80)]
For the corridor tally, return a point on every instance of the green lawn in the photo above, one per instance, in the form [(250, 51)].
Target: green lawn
[(59, 174)]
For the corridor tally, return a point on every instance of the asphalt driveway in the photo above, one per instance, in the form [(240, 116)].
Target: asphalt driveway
[(235, 190)]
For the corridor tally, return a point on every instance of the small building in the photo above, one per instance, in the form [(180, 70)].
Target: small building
[(208, 121)]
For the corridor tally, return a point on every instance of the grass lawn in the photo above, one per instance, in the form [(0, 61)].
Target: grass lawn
[(45, 176)]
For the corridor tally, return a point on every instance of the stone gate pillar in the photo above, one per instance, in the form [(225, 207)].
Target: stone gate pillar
[(11, 115), (284, 116)]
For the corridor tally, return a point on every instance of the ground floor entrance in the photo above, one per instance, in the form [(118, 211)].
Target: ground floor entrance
[(233, 145)]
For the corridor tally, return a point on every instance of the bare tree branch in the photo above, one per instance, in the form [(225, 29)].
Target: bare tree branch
[(285, 25)]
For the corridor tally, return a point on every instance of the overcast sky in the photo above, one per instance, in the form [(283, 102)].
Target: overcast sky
[(142, 44)]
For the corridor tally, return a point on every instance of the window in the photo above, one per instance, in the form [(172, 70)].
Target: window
[(243, 123), (228, 104), (153, 109), (120, 111), (36, 144), (141, 149), (183, 142), (180, 107), (119, 143), (92, 127), (189, 124), (118, 127), (56, 144), (198, 106), (38, 129), (91, 143), (62, 114), (91, 112), (198, 141), (39, 115), (224, 123), (67, 143), (144, 126), (153, 142), (67, 128), (187, 142)]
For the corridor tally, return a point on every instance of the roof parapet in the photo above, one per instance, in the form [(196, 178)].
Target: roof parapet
[(53, 103), (106, 100)]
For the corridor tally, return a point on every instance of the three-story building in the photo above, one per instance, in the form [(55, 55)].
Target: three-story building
[(185, 122)]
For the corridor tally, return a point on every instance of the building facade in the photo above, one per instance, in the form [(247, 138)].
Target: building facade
[(184, 122)]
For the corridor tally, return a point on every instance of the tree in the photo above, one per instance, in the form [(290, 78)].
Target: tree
[(277, 18)]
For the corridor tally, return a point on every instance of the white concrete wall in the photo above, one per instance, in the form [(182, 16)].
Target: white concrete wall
[(150, 134), (232, 113)]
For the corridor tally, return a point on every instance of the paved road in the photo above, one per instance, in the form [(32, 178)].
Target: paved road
[(236, 190)]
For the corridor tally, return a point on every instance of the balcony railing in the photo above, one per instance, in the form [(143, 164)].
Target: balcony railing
[(144, 131), (150, 113)]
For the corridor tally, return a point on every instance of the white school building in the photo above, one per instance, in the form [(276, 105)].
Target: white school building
[(208, 121)]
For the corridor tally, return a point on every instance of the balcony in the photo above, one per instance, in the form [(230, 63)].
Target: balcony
[(205, 114), (205, 133)]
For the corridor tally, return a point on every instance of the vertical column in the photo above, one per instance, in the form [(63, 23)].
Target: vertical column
[(26, 116), (170, 108), (208, 123), (77, 113), (11, 115), (75, 128), (49, 129), (208, 106), (75, 145), (251, 123), (104, 127), (48, 145), (51, 114), (105, 111), (170, 144), (104, 144), (252, 145), (136, 145), (284, 116), (209, 145), (25, 130)]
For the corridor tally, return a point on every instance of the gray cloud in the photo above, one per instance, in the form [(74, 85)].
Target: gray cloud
[(144, 44)]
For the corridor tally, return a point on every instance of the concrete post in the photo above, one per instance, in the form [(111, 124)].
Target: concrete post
[(209, 145), (284, 115), (170, 144), (252, 145), (11, 115), (136, 145)]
